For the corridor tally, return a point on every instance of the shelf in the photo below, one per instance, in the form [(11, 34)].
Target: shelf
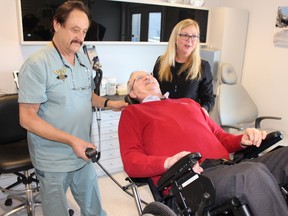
[(161, 3)]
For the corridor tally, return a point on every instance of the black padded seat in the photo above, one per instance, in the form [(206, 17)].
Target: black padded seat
[(11, 164), (15, 158)]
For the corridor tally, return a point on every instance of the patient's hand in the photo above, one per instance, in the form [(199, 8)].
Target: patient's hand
[(252, 136), (169, 162), (197, 168)]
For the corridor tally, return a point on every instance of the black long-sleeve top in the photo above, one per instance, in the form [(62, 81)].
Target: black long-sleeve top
[(199, 90)]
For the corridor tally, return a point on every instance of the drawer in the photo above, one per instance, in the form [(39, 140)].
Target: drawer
[(110, 123), (109, 144), (112, 166), (104, 137), (105, 130), (105, 147), (107, 115), (110, 154), (110, 114), (111, 136)]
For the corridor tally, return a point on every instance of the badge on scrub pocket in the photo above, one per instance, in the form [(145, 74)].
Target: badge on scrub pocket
[(61, 74)]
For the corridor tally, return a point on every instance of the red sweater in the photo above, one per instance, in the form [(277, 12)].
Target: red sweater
[(152, 131)]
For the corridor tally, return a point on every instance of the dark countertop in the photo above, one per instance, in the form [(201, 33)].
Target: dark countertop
[(112, 97), (115, 97)]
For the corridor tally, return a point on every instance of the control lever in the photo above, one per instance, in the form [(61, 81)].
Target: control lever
[(92, 154)]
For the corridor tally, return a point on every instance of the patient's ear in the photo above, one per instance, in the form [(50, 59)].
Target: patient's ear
[(132, 95)]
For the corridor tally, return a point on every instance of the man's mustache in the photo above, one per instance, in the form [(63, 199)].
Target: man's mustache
[(77, 41)]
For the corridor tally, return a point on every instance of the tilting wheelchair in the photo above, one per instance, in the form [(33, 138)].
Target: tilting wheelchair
[(180, 198), (191, 194)]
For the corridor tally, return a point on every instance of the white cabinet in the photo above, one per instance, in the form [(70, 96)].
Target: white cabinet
[(110, 153)]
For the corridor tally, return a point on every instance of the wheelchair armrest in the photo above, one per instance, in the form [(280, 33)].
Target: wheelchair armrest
[(181, 167), (259, 120), (271, 139), (253, 151)]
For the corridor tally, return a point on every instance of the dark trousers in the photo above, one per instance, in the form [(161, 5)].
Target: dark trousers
[(254, 181)]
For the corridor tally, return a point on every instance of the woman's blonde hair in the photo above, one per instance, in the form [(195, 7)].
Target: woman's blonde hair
[(193, 63)]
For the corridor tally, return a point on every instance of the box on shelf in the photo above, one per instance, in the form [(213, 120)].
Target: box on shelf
[(121, 89)]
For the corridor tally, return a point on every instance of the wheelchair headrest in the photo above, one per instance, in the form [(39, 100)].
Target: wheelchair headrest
[(128, 99), (228, 74)]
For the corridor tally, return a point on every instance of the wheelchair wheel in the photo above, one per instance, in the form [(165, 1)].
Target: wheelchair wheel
[(8, 202), (157, 209)]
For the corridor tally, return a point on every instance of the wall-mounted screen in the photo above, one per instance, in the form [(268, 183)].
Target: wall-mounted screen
[(112, 20)]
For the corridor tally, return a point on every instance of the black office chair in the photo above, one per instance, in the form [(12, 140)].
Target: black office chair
[(15, 158)]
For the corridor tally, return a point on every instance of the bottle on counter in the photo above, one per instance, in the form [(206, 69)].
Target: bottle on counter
[(111, 86), (103, 87)]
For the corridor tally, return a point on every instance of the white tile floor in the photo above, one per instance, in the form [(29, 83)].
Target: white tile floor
[(115, 201)]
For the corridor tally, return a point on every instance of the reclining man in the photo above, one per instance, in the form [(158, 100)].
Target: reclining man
[(156, 133)]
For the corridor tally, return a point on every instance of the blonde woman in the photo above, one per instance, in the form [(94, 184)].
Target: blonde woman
[(181, 71)]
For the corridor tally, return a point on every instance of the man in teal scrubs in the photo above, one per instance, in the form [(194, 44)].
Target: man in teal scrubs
[(56, 99)]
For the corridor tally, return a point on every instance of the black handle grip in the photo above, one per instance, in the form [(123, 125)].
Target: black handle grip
[(92, 154)]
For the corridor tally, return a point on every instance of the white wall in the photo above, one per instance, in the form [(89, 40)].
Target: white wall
[(10, 52), (264, 72), (228, 25), (120, 60)]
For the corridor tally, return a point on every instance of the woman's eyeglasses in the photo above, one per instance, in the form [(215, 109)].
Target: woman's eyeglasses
[(186, 37)]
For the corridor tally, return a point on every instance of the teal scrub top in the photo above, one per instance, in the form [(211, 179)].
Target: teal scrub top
[(64, 94)]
